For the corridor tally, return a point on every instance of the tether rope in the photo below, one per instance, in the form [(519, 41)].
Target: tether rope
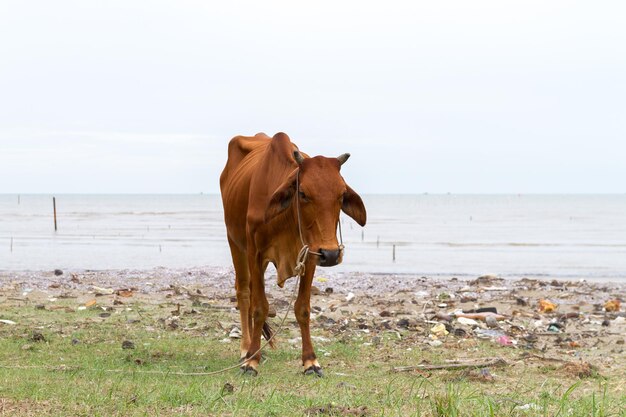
[(299, 270)]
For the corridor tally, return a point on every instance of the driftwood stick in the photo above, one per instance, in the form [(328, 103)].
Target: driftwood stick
[(452, 366), (543, 358)]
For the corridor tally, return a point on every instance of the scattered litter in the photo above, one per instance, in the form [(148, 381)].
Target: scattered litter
[(488, 333), (612, 306), (546, 306), (482, 316), (528, 407), (466, 321), (438, 330), (504, 340), (102, 291), (555, 327), (10, 322)]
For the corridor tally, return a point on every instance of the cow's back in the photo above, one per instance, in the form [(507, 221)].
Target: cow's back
[(244, 156)]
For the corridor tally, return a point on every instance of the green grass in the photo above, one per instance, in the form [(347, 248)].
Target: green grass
[(58, 377)]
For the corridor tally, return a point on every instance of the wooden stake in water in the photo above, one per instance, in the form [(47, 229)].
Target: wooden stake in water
[(54, 207), (394, 253)]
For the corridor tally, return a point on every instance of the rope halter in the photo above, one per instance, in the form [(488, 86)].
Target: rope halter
[(303, 255)]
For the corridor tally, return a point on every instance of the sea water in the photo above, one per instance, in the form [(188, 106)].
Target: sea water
[(551, 236)]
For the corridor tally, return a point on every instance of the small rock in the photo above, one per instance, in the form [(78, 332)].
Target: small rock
[(27, 347), (58, 272), (37, 337), (460, 332), (228, 387), (385, 313), (491, 321), (521, 302), (127, 344), (403, 323), (40, 307), (75, 342), (329, 290), (350, 297)]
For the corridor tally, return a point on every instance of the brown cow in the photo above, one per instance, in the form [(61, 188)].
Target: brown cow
[(259, 185)]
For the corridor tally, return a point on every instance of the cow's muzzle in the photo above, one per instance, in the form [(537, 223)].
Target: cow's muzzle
[(330, 257)]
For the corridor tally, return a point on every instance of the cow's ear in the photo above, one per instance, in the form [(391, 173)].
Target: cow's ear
[(353, 206), (282, 197)]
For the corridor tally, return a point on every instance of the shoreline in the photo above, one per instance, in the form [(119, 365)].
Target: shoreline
[(270, 274)]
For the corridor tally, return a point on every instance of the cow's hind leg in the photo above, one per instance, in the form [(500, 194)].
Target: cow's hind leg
[(242, 287), (302, 309), (259, 307)]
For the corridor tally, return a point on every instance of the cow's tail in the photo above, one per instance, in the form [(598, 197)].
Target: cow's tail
[(268, 334)]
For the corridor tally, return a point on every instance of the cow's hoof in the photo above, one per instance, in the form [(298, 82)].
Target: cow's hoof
[(314, 370), (248, 371)]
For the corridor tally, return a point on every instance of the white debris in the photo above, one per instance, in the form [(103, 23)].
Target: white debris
[(466, 321), (528, 407), (235, 333), (350, 296)]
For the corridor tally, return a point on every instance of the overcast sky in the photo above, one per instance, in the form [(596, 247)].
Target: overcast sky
[(428, 96)]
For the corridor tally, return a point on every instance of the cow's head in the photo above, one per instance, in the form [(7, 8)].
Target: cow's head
[(321, 194)]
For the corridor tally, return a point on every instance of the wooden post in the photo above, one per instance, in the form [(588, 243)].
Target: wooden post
[(54, 207), (394, 253)]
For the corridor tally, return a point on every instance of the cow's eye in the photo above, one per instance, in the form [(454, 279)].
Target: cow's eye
[(303, 196)]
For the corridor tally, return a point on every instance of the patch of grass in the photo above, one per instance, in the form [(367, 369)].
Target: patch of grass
[(80, 368)]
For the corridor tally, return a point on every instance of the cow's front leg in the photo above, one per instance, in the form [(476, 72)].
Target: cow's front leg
[(302, 309), (259, 308)]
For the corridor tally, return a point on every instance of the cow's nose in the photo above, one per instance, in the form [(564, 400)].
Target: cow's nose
[(329, 257)]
